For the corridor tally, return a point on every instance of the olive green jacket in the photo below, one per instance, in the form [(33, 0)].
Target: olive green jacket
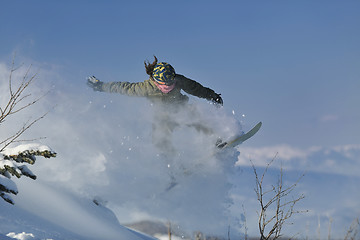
[(149, 90)]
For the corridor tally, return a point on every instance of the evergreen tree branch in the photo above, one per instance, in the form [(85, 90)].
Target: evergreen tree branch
[(11, 165)]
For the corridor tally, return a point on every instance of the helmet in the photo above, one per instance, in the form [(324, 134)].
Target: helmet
[(164, 74)]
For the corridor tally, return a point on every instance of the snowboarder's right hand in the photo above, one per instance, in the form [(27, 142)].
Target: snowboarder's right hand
[(94, 83)]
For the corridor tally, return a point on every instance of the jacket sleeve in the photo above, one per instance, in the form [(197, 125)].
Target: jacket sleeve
[(139, 89), (194, 88)]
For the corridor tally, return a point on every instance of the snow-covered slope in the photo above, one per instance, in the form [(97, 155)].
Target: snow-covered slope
[(42, 212)]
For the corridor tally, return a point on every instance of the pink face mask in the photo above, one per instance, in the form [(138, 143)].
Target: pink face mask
[(164, 88)]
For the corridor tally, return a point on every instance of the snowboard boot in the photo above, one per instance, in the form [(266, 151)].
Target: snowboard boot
[(220, 144)]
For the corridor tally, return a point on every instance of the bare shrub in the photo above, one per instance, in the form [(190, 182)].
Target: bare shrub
[(275, 206), (18, 100)]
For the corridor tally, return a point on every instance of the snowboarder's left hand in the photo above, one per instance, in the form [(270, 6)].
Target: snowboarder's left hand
[(217, 99), (94, 83)]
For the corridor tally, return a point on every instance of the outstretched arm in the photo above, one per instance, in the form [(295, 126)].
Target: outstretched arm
[(194, 88), (140, 89)]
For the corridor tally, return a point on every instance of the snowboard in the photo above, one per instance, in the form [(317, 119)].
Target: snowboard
[(242, 138)]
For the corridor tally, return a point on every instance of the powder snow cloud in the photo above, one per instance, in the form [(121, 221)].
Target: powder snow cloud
[(105, 151)]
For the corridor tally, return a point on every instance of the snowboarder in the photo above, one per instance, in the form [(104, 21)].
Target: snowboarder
[(163, 88)]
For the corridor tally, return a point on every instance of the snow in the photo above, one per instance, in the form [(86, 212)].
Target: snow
[(166, 237), (26, 171), (107, 155), (26, 147), (8, 184), (103, 152), (21, 236), (44, 210), (7, 163), (54, 214)]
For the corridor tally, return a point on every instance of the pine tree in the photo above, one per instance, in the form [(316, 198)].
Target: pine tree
[(13, 163)]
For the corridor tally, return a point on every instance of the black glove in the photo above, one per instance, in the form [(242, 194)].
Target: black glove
[(216, 98), (94, 83)]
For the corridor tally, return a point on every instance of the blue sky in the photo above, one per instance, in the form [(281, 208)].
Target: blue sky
[(294, 65), (291, 64)]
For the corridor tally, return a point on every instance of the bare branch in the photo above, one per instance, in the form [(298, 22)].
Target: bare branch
[(14, 137), (353, 230), (17, 102), (270, 227)]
